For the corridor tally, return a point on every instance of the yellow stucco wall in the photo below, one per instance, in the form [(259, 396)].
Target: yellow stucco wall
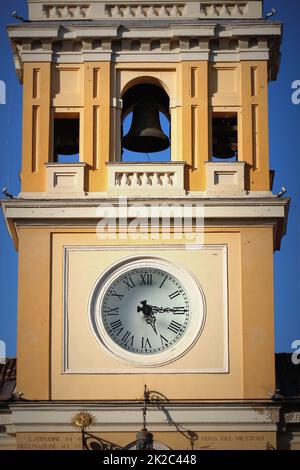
[(251, 342), (196, 90)]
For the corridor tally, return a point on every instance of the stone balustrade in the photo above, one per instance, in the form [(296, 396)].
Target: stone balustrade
[(146, 178), (161, 10), (100, 9), (223, 9)]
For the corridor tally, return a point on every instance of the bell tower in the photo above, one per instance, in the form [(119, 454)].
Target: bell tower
[(146, 223)]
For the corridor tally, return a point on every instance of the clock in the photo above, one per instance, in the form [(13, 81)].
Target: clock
[(147, 311)]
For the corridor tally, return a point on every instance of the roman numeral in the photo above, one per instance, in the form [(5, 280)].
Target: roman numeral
[(163, 340), (129, 283), (146, 344), (115, 294), (109, 311), (179, 310), (174, 326), (164, 280), (146, 279), (116, 326), (174, 294), (127, 339)]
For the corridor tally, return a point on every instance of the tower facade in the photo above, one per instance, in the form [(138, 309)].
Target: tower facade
[(146, 268)]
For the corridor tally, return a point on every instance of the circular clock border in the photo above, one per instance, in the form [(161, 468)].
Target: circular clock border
[(196, 299)]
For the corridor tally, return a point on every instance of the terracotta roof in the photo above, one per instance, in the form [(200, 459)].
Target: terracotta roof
[(7, 378)]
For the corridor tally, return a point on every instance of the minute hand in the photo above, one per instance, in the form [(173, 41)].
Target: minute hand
[(168, 309)]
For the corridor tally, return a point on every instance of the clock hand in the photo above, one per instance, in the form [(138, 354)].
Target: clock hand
[(148, 314), (151, 321), (148, 309), (167, 309)]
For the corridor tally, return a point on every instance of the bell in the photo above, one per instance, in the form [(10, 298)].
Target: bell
[(145, 134), (66, 136), (225, 143)]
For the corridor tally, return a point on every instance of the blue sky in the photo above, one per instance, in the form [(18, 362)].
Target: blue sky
[(284, 155)]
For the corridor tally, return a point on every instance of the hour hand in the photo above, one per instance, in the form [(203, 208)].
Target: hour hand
[(151, 321), (147, 311)]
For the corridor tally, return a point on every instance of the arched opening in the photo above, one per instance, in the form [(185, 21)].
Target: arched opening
[(224, 137), (145, 124)]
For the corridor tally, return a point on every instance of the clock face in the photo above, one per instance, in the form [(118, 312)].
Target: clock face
[(146, 310)]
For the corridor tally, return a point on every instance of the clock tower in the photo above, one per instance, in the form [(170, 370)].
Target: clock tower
[(146, 223)]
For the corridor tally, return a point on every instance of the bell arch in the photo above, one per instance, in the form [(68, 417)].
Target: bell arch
[(145, 121), (146, 79)]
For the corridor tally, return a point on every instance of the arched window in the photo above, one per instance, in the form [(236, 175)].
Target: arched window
[(145, 124)]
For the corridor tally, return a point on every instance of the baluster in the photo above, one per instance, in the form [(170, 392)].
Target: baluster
[(145, 180), (174, 11), (115, 12), (65, 12), (151, 12), (124, 180), (128, 12), (139, 11), (165, 179), (155, 180), (53, 12), (224, 10), (163, 11), (135, 179), (78, 12), (213, 10), (236, 10)]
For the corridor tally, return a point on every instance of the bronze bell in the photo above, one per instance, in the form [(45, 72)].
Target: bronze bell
[(225, 139), (66, 136), (145, 134)]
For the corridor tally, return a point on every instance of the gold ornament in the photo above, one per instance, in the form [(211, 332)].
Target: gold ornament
[(82, 420)]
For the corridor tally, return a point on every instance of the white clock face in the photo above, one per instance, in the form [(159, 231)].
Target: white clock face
[(145, 310)]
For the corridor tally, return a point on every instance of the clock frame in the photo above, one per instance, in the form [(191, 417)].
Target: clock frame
[(111, 343)]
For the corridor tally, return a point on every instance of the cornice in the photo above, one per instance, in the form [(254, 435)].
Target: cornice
[(221, 416), (153, 41), (258, 212)]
